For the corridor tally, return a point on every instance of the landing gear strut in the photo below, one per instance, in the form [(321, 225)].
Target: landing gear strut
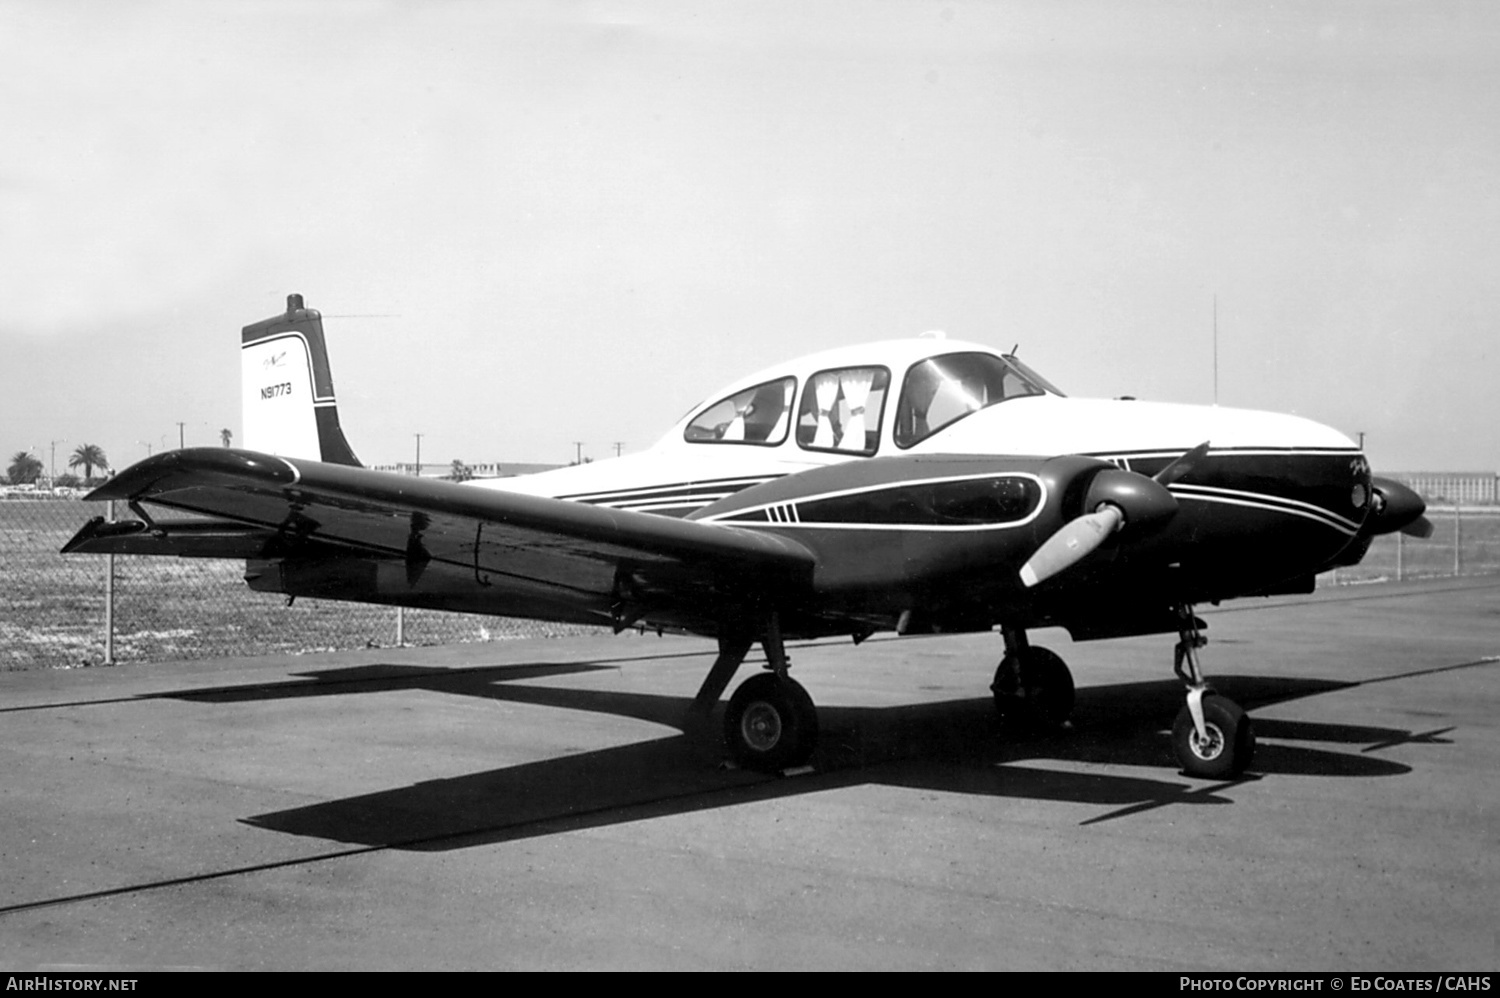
[(771, 723), (1032, 685), (1212, 736)]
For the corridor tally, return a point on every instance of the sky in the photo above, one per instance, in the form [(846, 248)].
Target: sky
[(534, 224)]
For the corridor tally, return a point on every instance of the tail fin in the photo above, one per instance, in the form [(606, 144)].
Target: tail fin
[(288, 405)]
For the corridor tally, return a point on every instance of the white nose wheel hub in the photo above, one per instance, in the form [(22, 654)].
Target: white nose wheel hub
[(1209, 747)]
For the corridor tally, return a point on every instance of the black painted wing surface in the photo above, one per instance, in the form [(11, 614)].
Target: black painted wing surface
[(331, 531)]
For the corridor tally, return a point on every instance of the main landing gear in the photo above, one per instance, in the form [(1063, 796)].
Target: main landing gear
[(1032, 685), (771, 723), (1212, 736)]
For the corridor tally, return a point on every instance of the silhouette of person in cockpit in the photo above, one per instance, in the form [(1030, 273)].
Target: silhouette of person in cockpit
[(763, 414)]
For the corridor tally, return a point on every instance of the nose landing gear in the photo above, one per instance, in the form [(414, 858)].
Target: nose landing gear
[(1212, 735)]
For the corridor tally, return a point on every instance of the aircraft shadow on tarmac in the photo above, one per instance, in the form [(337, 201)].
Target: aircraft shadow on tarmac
[(955, 746)]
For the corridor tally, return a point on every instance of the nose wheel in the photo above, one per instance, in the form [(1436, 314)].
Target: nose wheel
[(1212, 736), (1224, 747)]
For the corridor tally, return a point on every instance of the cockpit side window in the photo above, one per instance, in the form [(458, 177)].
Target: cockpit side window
[(759, 415), (941, 390), (841, 410)]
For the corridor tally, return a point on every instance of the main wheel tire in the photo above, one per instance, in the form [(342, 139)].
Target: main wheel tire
[(1229, 746), (1036, 690), (771, 724)]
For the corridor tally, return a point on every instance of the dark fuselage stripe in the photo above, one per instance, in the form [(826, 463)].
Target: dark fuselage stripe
[(716, 488), (701, 498), (1275, 504)]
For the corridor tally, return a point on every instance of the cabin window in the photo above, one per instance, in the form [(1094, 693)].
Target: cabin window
[(941, 390), (841, 410), (758, 415)]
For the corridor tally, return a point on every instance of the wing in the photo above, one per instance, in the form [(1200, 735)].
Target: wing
[(337, 532)]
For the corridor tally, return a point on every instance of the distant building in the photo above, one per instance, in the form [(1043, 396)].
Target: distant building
[(1471, 487)]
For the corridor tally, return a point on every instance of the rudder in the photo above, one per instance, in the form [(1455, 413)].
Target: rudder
[(288, 405)]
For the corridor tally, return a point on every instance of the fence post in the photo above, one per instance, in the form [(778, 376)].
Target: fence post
[(1400, 552), (109, 599), (400, 627), (1457, 546)]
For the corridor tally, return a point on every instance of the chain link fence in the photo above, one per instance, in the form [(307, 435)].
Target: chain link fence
[(58, 612), (1465, 541)]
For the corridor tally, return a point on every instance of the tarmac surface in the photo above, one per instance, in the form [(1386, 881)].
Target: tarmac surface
[(534, 804)]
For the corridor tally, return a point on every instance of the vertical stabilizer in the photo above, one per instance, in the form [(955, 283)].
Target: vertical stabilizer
[(288, 405)]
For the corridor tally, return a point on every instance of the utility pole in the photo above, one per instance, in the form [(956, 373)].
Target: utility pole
[(419, 453), (180, 444), (578, 452), (618, 445), (52, 465)]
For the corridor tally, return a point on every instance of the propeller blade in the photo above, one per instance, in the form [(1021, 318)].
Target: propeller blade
[(1071, 544), (1420, 527), (1396, 507), (1182, 465)]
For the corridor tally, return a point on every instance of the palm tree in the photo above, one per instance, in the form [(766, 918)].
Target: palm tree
[(24, 469), (226, 435), (90, 456)]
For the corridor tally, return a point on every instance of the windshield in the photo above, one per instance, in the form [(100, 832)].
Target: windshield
[(941, 390)]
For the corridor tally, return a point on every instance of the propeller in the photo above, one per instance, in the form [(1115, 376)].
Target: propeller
[(1077, 538), (1181, 466), (1421, 528), (1115, 498), (1398, 508)]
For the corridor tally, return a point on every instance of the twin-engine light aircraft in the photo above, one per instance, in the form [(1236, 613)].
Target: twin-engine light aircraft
[(916, 486)]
